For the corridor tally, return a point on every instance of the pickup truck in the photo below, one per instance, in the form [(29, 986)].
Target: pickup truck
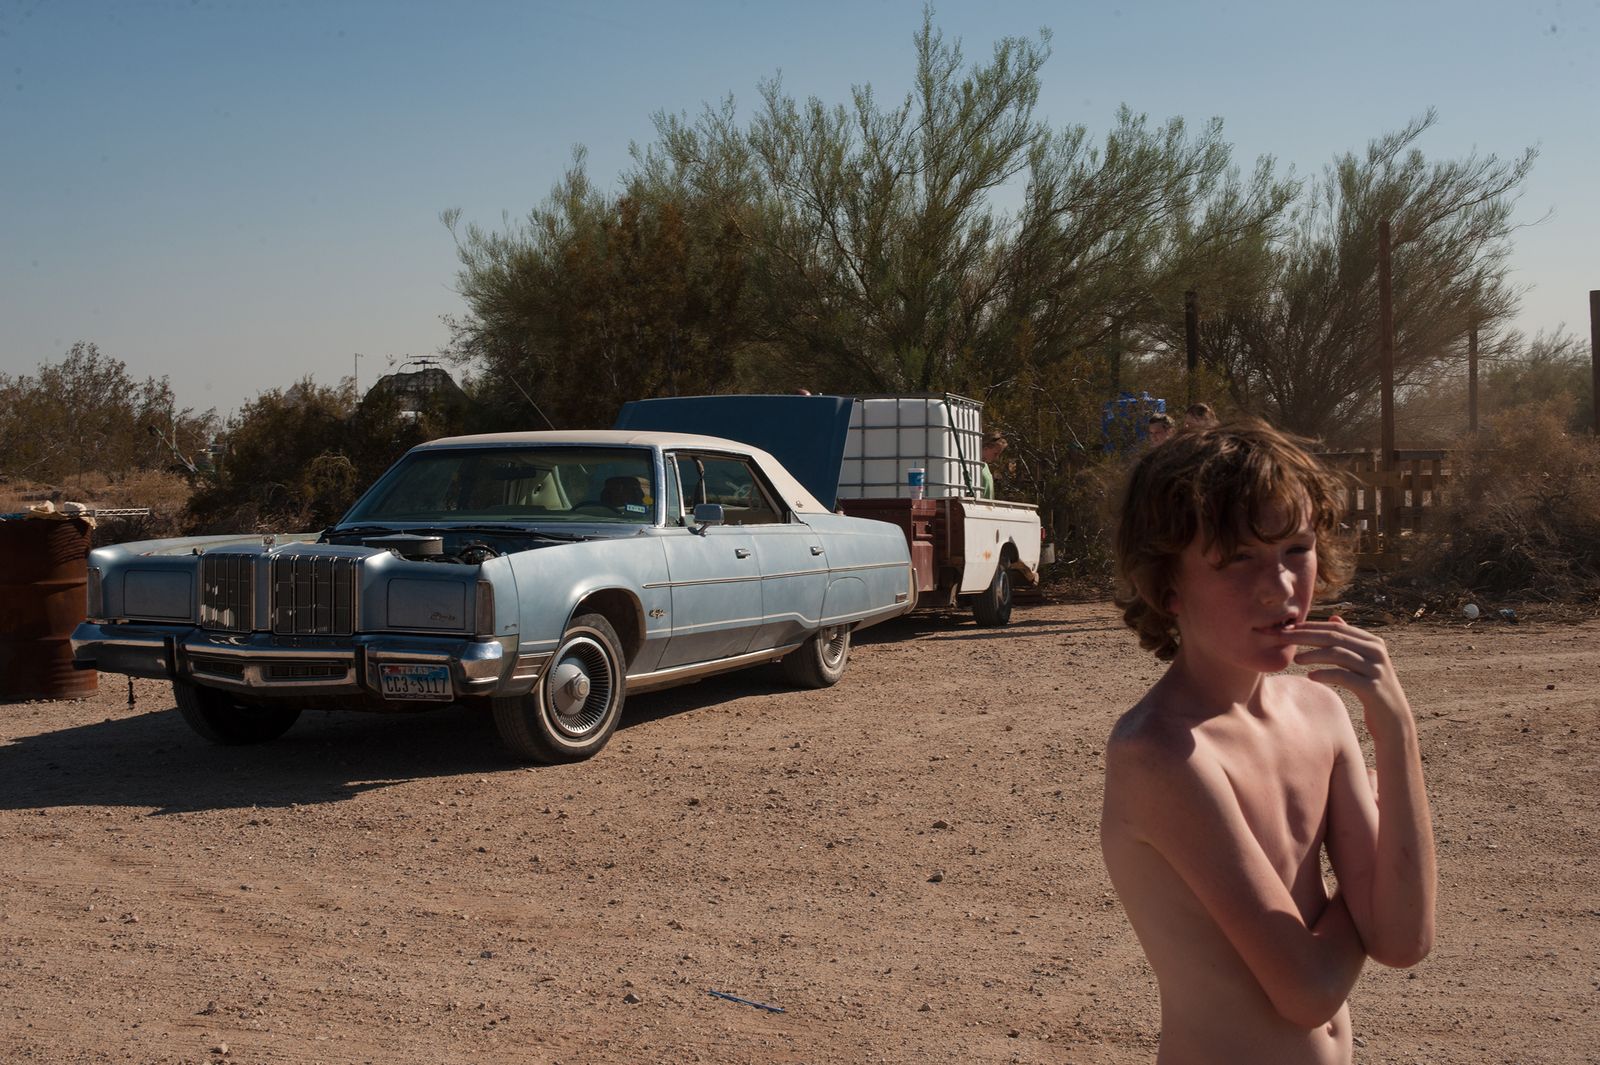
[(854, 452)]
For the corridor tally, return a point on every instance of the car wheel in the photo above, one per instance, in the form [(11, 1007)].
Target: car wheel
[(992, 607), (220, 718), (820, 661), (575, 706)]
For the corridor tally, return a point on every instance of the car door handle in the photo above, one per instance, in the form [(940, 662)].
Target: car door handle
[(815, 550), (741, 552)]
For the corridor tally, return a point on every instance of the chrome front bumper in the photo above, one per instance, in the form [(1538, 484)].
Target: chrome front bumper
[(263, 664)]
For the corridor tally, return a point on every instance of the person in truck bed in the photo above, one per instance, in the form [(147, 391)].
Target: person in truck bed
[(1227, 780)]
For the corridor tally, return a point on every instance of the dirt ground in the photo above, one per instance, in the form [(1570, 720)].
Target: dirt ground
[(907, 864)]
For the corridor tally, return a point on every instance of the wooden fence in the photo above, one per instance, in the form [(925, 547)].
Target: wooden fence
[(1383, 520)]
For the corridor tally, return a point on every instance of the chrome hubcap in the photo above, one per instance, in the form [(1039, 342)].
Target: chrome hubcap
[(834, 644), (580, 686)]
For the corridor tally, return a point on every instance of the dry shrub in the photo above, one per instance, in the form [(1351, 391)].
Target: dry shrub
[(1081, 515), (163, 492), (1522, 518), (276, 511)]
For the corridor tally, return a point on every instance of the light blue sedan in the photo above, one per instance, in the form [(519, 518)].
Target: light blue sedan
[(544, 574)]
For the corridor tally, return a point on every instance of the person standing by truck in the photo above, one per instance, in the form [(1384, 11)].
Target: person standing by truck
[(994, 445), (1158, 428)]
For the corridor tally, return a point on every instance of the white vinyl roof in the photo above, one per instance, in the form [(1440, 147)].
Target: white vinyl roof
[(795, 494)]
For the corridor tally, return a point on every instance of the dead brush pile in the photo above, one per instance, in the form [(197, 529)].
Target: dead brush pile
[(165, 493), (1521, 522)]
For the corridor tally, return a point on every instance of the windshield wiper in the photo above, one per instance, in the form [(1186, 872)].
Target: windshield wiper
[(361, 530), (414, 529), (503, 528)]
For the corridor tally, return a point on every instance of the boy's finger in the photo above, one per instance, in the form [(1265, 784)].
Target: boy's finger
[(1304, 638), (1340, 678), (1342, 657), (1326, 636)]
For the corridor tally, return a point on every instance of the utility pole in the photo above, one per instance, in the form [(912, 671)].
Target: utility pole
[(1594, 352), (1191, 335), (1389, 528), (1472, 375)]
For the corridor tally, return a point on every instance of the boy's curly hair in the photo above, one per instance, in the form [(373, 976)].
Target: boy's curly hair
[(1218, 483)]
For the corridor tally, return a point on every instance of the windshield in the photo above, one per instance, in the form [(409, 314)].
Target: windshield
[(534, 484)]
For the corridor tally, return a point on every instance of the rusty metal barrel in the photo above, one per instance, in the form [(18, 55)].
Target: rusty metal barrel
[(44, 568)]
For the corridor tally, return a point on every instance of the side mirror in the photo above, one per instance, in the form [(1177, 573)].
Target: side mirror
[(708, 514)]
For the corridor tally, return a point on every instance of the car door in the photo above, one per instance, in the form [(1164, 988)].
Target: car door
[(794, 580), (794, 570), (714, 573)]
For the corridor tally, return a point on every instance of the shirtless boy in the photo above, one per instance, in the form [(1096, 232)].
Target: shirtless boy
[(1228, 779)]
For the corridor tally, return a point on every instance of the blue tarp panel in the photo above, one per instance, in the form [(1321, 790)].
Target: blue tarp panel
[(805, 433)]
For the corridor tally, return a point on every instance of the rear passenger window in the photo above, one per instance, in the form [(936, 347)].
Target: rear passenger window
[(731, 482)]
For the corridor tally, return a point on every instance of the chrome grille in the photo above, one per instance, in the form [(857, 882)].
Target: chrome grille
[(313, 596), (308, 671), (227, 592)]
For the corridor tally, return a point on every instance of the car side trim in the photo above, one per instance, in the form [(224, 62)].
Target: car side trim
[(859, 568), (663, 678)]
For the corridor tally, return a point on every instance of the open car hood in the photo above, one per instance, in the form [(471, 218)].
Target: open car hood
[(805, 433)]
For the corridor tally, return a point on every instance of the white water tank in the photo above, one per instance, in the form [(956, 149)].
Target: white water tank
[(890, 435)]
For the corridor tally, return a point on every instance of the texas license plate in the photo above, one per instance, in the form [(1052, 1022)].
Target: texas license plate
[(415, 682)]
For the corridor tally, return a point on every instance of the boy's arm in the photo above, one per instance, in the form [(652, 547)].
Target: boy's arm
[(1381, 846), (1186, 810)]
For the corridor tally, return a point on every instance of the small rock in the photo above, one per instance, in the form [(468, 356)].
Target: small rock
[(1549, 687), (1012, 1034), (221, 1050), (485, 953), (694, 802), (936, 878), (941, 825), (924, 1008), (631, 999)]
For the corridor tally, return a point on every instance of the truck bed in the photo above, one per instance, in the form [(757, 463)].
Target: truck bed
[(958, 542)]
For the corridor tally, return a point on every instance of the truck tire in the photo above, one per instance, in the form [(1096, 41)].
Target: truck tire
[(820, 661), (992, 606), (220, 718), (574, 708)]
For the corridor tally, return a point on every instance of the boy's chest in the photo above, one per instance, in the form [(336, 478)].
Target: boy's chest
[(1282, 791)]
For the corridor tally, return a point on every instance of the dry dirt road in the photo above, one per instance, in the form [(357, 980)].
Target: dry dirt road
[(907, 864)]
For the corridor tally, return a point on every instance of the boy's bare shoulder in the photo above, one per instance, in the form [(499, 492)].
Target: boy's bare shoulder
[(1317, 704), (1150, 735), (1156, 773)]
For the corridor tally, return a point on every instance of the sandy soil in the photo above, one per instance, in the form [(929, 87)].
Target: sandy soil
[(907, 864)]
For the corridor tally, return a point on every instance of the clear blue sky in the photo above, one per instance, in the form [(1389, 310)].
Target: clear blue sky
[(237, 193)]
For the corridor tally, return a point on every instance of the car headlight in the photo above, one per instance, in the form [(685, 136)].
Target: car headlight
[(415, 604), (158, 595)]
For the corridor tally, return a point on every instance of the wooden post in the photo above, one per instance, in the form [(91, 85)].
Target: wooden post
[(1594, 352), (1472, 376), (1191, 336), (1389, 528), (1116, 359)]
